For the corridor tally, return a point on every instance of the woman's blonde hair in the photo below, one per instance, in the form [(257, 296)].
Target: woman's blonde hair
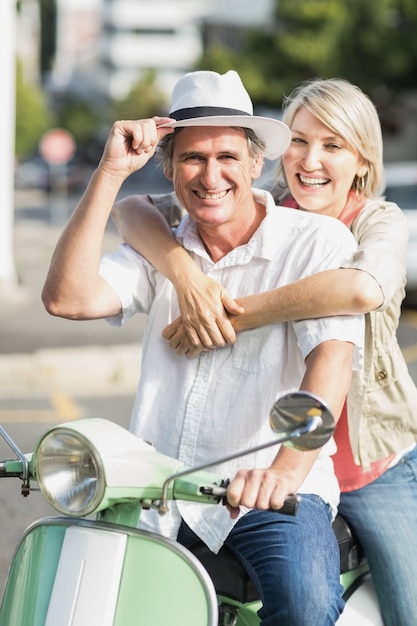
[(349, 113)]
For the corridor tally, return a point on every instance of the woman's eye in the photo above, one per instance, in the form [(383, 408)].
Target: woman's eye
[(333, 146)]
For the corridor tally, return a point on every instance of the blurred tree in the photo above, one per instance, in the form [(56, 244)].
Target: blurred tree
[(81, 120), (372, 44), (32, 116), (144, 100)]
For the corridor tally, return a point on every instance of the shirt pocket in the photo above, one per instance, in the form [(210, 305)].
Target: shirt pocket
[(258, 350)]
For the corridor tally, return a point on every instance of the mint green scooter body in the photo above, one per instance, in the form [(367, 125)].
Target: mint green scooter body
[(70, 572)]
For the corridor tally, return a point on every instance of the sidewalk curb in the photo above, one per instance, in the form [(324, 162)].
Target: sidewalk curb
[(81, 370)]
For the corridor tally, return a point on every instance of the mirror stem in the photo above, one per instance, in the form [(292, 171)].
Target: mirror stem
[(311, 424)]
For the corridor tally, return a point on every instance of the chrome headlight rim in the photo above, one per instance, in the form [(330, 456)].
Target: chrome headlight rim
[(85, 455)]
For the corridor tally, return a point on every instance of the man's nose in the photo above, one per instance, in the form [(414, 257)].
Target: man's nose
[(210, 174)]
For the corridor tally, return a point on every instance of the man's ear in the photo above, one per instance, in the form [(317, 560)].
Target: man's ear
[(257, 166), (168, 172)]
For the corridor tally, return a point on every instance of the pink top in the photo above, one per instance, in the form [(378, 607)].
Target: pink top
[(350, 475)]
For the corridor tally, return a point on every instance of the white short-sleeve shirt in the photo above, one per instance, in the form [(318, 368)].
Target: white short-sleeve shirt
[(201, 409)]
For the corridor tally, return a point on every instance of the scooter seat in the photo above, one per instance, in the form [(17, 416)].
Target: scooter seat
[(351, 552), (230, 579)]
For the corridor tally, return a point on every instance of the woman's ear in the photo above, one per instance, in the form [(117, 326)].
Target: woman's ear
[(362, 170)]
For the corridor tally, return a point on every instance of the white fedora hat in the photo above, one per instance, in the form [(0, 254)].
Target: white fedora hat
[(209, 99)]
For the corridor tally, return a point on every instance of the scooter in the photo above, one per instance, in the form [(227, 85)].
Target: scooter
[(94, 567)]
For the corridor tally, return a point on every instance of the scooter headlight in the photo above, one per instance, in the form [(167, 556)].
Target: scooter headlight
[(70, 472)]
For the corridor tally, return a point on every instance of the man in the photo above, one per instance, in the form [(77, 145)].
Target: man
[(199, 409)]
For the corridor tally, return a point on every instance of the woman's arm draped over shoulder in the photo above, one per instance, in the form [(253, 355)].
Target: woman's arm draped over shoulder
[(328, 293), (341, 291)]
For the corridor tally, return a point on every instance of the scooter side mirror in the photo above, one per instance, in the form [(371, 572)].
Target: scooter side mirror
[(304, 418)]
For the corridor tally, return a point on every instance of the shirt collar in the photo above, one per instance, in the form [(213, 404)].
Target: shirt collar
[(260, 244)]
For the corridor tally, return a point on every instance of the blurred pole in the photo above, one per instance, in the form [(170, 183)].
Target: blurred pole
[(8, 279)]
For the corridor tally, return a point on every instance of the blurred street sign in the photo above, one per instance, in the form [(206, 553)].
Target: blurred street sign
[(57, 146)]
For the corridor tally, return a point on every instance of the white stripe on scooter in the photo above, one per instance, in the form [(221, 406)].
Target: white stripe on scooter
[(87, 581)]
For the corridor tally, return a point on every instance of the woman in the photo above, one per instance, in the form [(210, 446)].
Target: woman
[(333, 167)]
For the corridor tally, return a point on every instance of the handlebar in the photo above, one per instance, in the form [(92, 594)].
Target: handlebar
[(290, 507)]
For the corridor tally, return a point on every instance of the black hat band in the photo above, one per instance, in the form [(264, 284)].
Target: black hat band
[(192, 112)]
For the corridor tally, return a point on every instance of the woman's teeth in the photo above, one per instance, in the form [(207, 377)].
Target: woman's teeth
[(313, 182)]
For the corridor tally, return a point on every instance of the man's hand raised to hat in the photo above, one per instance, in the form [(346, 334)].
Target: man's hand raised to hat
[(131, 143)]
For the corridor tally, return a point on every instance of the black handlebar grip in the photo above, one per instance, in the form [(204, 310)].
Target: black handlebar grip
[(291, 505)]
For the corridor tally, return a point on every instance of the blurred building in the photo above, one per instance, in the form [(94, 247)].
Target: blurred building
[(141, 35), (227, 21), (27, 43), (77, 58), (105, 46)]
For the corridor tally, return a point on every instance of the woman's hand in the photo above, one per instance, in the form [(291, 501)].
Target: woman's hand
[(204, 323)]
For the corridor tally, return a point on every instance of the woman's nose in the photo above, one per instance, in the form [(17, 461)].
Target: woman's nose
[(311, 159)]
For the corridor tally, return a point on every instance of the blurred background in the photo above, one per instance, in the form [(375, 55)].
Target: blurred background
[(77, 65), (68, 69)]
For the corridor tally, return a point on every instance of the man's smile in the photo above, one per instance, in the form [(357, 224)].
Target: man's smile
[(204, 195)]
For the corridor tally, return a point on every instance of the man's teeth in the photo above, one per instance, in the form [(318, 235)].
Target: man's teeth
[(313, 182), (211, 196)]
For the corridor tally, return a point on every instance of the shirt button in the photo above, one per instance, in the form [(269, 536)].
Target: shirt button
[(381, 375)]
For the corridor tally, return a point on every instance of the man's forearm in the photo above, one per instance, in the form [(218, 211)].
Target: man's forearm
[(329, 373)]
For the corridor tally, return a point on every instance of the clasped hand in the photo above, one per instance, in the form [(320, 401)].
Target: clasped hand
[(205, 322)]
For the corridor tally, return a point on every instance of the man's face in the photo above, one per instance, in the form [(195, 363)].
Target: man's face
[(212, 173)]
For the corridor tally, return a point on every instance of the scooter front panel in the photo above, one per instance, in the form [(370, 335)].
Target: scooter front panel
[(74, 572), (163, 583)]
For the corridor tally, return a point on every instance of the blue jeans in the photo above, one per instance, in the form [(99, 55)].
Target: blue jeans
[(384, 516), (293, 561)]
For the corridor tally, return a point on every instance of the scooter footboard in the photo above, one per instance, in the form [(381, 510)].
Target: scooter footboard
[(77, 572)]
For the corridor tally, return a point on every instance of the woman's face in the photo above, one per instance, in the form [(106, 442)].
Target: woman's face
[(319, 166)]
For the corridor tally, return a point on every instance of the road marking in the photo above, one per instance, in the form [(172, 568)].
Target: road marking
[(66, 407), (64, 410), (20, 416)]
